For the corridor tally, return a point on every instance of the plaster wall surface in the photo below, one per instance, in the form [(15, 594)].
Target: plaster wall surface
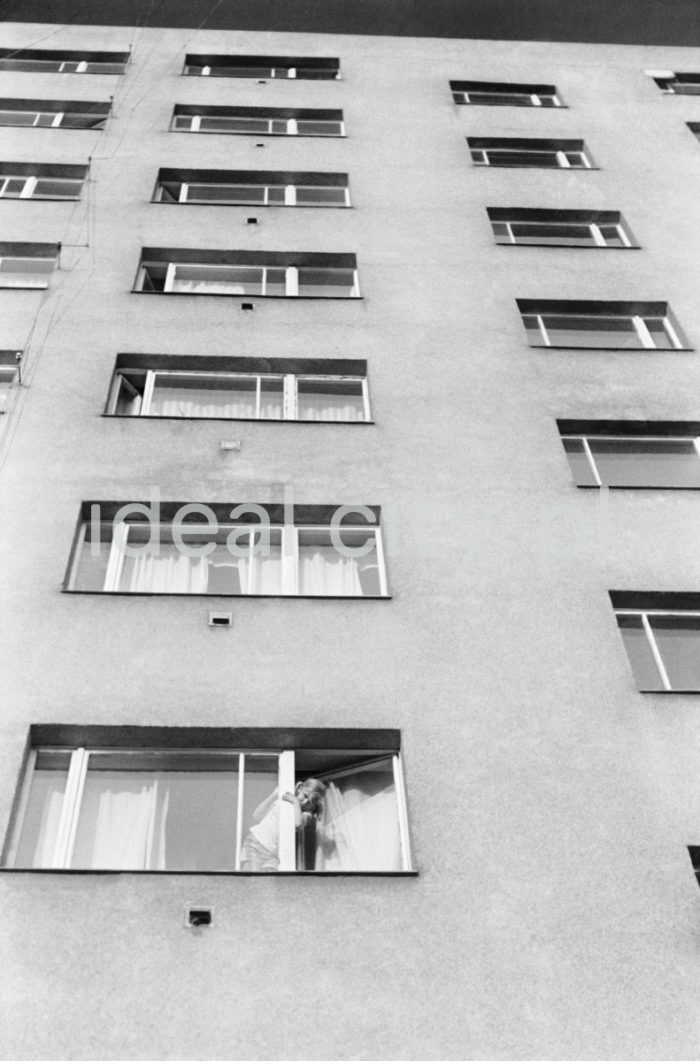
[(555, 913)]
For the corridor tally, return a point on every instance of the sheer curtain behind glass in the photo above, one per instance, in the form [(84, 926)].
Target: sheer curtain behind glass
[(360, 820)]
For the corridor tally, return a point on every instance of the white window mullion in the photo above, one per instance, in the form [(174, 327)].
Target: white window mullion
[(290, 195), (365, 398), (543, 330), (292, 127), (290, 398), (195, 122), (536, 101), (184, 189), (509, 230), (258, 397), (643, 333), (400, 791), (82, 533), (120, 535), (239, 809), (598, 236), (252, 563), (291, 281), (29, 188), (381, 566), (287, 837), (655, 652), (58, 118), (263, 280), (148, 392), (81, 68), (355, 293), (591, 461), (562, 160), (290, 560), (672, 333), (170, 276), (70, 811), (205, 72), (291, 72), (623, 236)]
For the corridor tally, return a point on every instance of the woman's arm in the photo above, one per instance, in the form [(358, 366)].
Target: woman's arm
[(262, 808)]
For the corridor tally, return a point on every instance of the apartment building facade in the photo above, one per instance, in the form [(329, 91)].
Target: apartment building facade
[(398, 338)]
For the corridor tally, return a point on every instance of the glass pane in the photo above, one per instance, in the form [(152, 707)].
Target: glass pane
[(218, 279), (611, 333), (612, 236), (261, 814), (578, 462), (90, 565), (105, 68), (130, 389), (575, 159), (359, 827), (647, 462), (230, 397), (17, 117), (327, 283), (46, 121), (552, 233), (678, 640), (57, 189), (25, 272), (182, 121), (659, 333), (225, 193), (319, 128), (14, 187), (83, 121), (503, 99), (39, 66), (316, 196), (329, 571), (548, 101), (271, 398), (238, 71), (330, 400), (43, 811), (169, 811), (685, 88), (644, 668), (522, 158)]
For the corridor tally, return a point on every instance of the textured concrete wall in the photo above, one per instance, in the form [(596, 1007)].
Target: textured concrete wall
[(555, 915)]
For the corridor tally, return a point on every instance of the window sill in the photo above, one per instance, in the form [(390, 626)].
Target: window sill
[(619, 349), (226, 596), (283, 298), (267, 136), (569, 246), (550, 169), (212, 873), (243, 420), (263, 206)]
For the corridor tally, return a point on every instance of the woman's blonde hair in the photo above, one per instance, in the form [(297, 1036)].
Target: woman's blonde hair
[(314, 790)]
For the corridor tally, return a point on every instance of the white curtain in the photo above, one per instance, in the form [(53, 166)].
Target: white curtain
[(325, 573), (330, 407), (361, 825), (129, 827), (171, 573)]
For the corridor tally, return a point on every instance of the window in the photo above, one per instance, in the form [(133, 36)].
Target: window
[(9, 373), (33, 180), (27, 264), (694, 128), (251, 187), (661, 633), (240, 388), (601, 325), (559, 228), (229, 550), (633, 453), (44, 60), (510, 151), (676, 84), (266, 274), (501, 94), (257, 121), (54, 114), (262, 66), (205, 800)]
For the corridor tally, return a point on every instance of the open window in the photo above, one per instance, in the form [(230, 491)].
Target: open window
[(677, 84), (323, 390), (251, 188), (169, 271), (229, 550), (504, 94), (629, 454), (27, 265), (263, 66), (603, 325), (209, 801), (257, 121), (661, 634)]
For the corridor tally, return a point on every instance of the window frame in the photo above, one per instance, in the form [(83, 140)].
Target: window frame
[(632, 431), (290, 395), (593, 220), (357, 745), (59, 61), (48, 254), (557, 149), (31, 182), (288, 183), (293, 121), (646, 605), (532, 95), (59, 112), (263, 67), (638, 313)]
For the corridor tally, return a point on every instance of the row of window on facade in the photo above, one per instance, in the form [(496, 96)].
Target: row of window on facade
[(210, 800), (315, 68)]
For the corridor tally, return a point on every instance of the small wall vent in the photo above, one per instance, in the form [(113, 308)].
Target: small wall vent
[(220, 619), (247, 305), (198, 916)]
